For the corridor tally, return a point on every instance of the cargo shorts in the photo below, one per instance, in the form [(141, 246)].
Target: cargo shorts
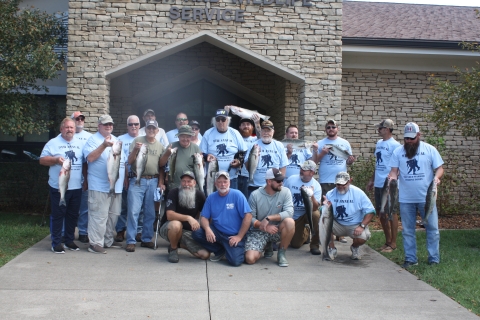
[(257, 240), (186, 240)]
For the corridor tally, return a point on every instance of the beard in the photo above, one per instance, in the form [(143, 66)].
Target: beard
[(223, 190), (344, 191), (411, 149), (277, 188), (246, 132), (186, 197), (267, 140)]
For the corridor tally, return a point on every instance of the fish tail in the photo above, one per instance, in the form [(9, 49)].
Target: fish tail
[(112, 192), (62, 202), (137, 182)]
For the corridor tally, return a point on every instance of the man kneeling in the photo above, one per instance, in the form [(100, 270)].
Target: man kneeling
[(272, 212), (352, 211), (183, 208)]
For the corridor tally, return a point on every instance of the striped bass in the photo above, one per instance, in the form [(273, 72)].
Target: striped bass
[(430, 201), (244, 113), (325, 228), (337, 152), (63, 178), (297, 143), (141, 163), (211, 171), (252, 163), (172, 160), (199, 170), (113, 165), (307, 193)]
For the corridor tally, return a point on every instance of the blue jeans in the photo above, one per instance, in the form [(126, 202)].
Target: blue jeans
[(64, 214), (408, 213), (234, 255), (82, 223), (243, 185), (122, 218), (234, 183), (141, 197)]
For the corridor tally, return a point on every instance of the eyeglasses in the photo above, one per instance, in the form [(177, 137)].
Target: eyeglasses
[(81, 118), (410, 138), (108, 124), (331, 127), (133, 124), (195, 128), (182, 119), (220, 119)]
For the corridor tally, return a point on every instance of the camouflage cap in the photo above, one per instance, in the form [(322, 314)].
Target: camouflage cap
[(185, 129), (222, 173), (387, 123), (308, 165), (267, 124), (105, 119), (342, 178), (330, 121)]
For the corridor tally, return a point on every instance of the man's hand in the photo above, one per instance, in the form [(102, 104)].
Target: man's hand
[(271, 229), (255, 118), (350, 160), (161, 186), (107, 142), (315, 147), (210, 158), (326, 202), (126, 183), (210, 235), (263, 225), (85, 185), (358, 231), (234, 240), (138, 145), (289, 149), (194, 224), (60, 160), (235, 163)]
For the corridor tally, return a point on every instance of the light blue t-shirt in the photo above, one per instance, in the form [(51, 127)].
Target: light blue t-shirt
[(272, 155), (330, 165), (97, 170), (350, 208), (249, 141), (59, 147), (383, 153), (294, 183), (223, 146), (227, 212), (171, 136), (126, 142), (417, 173), (298, 157), (83, 136)]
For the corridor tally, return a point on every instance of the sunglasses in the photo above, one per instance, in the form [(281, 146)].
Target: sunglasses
[(108, 124), (220, 119), (182, 119), (81, 118), (195, 128), (133, 124), (410, 138), (331, 127)]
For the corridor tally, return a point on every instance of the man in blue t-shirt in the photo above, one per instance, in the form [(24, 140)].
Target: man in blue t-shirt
[(225, 220), (383, 153), (352, 211), (416, 165)]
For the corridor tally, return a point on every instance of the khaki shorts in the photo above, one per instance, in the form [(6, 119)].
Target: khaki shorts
[(257, 240), (185, 241), (342, 231)]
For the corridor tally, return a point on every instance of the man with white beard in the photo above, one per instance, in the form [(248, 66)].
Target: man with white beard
[(352, 211), (183, 208)]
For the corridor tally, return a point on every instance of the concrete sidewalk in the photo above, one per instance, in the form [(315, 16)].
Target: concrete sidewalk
[(144, 285)]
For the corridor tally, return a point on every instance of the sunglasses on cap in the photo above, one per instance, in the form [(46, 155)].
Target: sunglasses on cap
[(220, 119), (133, 124)]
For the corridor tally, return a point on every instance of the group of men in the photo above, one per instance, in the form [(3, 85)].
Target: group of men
[(251, 212)]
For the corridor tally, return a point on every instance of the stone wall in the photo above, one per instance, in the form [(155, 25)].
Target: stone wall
[(106, 34)]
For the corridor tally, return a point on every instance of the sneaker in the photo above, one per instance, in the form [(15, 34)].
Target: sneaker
[(138, 237), (342, 239), (58, 249), (315, 251), (217, 257), (268, 253), (115, 245), (172, 255), (408, 264), (96, 249), (355, 253), (120, 236), (130, 248), (71, 246), (149, 245), (433, 263), (281, 259), (83, 238)]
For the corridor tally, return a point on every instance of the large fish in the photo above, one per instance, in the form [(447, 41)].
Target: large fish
[(389, 197), (113, 165), (338, 152), (393, 197), (141, 163), (297, 143), (307, 194), (430, 201), (385, 204), (244, 113), (252, 163), (211, 171), (198, 170), (172, 160), (63, 178), (325, 227)]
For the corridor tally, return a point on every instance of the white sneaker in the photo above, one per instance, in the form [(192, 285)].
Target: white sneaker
[(355, 253)]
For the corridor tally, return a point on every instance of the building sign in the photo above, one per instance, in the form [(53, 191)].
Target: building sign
[(226, 14)]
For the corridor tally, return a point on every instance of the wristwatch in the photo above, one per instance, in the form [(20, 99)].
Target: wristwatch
[(268, 219), (362, 225)]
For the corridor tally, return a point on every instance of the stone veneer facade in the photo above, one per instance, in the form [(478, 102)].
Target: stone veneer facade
[(306, 40)]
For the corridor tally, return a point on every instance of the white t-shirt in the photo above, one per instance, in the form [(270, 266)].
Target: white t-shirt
[(160, 136), (249, 141), (223, 146), (417, 173), (59, 147), (97, 170), (294, 183), (350, 208), (272, 155), (298, 157), (331, 165), (383, 153)]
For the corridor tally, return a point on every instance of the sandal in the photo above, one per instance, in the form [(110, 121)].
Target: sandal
[(389, 249), (383, 247)]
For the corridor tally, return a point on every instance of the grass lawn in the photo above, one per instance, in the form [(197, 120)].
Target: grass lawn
[(18, 232), (457, 275)]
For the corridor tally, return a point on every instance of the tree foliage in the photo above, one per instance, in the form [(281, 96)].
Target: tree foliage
[(27, 41), (458, 103)]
